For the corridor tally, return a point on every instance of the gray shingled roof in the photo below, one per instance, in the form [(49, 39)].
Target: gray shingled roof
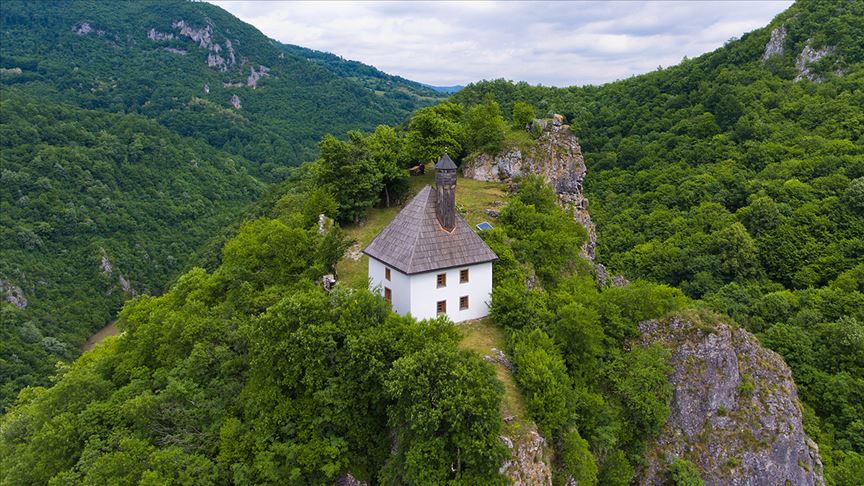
[(414, 242), (445, 162)]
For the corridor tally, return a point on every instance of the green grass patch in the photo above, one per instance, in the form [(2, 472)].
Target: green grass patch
[(481, 336)]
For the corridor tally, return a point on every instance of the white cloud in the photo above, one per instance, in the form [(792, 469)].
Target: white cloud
[(553, 43)]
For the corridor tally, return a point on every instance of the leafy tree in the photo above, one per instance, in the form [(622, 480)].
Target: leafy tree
[(446, 408), (485, 127), (349, 174), (684, 473), (435, 131), (577, 459), (542, 374), (523, 114)]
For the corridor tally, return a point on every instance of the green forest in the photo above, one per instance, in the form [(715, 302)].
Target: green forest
[(112, 148), (722, 188), (726, 178)]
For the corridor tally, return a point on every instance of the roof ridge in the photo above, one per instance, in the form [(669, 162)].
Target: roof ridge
[(417, 234), (414, 241)]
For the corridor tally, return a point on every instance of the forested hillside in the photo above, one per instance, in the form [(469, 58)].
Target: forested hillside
[(730, 184), (132, 132), (181, 63), (96, 208), (738, 177)]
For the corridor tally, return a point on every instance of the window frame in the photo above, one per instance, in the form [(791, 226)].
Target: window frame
[(388, 295), (463, 303), (441, 280), (441, 307), (463, 276), (386, 274)]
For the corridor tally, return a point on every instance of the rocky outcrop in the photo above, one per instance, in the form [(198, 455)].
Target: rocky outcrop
[(810, 56), (204, 37), (13, 294), (775, 45), (529, 461), (107, 269), (557, 157), (155, 35), (235, 102), (85, 28), (735, 412), (254, 76)]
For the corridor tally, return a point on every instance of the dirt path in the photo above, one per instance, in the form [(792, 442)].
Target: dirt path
[(101, 334)]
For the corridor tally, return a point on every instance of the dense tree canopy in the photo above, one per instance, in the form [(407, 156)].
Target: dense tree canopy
[(252, 373), (726, 177)]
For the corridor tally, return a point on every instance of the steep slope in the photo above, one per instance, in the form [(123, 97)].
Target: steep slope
[(197, 70), (253, 373), (95, 208)]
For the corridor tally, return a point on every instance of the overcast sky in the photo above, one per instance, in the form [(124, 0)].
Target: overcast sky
[(552, 43)]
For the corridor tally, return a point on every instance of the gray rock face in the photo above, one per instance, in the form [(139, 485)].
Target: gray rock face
[(735, 412), (235, 102), (774, 47), (13, 294), (808, 56), (529, 461), (557, 158), (254, 76), (155, 35), (204, 37), (85, 28)]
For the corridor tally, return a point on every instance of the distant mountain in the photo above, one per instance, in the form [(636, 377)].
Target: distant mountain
[(445, 89), (199, 71), (370, 76)]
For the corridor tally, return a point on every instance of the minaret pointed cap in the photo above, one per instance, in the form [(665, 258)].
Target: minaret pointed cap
[(445, 163)]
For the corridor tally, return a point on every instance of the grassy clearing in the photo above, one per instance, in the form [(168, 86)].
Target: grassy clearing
[(481, 336), (472, 197)]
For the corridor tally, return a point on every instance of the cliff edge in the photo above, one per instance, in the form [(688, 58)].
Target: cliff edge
[(735, 412), (556, 157)]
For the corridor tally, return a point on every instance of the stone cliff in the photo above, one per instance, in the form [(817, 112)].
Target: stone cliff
[(557, 157), (735, 412)]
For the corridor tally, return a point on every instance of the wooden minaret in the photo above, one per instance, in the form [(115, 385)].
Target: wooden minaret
[(445, 184)]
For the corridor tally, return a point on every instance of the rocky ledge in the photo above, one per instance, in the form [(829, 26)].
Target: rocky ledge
[(556, 157), (735, 412)]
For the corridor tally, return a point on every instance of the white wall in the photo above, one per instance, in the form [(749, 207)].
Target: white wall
[(425, 293), (419, 294), (399, 285)]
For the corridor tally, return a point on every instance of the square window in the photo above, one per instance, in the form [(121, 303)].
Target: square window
[(387, 273), (463, 276), (463, 302), (442, 280), (442, 307), (388, 295)]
